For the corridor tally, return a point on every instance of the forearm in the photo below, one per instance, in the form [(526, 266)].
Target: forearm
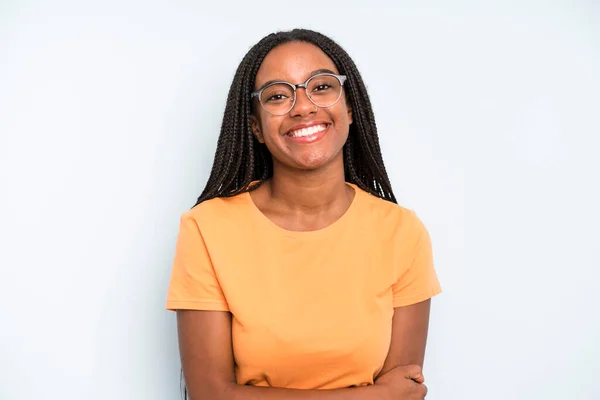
[(238, 392)]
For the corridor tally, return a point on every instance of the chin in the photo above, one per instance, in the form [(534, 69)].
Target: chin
[(314, 162), (312, 167)]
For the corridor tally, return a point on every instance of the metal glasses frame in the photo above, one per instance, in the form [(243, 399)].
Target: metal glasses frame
[(258, 93)]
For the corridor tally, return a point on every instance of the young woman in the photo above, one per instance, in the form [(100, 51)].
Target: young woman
[(296, 274)]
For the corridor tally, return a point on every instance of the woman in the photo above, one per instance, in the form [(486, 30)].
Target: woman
[(296, 271)]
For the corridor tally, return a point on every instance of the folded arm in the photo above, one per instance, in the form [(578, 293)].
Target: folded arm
[(208, 365), (410, 325)]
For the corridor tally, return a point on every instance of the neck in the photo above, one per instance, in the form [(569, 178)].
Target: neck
[(310, 191)]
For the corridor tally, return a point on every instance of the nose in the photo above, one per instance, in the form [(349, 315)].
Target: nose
[(303, 105)]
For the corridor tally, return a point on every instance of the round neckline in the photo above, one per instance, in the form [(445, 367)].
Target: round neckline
[(327, 230)]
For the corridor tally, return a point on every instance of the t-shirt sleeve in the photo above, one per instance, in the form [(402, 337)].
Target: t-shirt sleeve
[(194, 284), (416, 277)]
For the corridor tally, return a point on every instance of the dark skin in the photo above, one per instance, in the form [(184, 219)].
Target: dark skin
[(308, 189), (307, 192)]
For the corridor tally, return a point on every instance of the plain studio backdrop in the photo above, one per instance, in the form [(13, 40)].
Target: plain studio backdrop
[(489, 119)]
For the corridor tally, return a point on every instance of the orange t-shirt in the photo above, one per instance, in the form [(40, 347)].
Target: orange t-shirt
[(310, 310)]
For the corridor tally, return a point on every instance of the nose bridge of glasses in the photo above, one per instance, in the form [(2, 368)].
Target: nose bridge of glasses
[(306, 94)]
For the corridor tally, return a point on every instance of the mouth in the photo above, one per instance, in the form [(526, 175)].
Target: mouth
[(308, 134)]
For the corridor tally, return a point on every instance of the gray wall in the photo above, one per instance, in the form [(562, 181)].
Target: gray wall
[(489, 123)]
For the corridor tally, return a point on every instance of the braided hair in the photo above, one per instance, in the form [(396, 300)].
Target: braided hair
[(240, 159)]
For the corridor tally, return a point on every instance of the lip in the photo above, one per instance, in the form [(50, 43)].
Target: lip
[(308, 125), (310, 138)]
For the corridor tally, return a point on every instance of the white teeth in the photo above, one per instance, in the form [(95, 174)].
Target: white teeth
[(311, 130)]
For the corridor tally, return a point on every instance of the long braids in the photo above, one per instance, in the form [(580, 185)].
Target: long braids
[(240, 159)]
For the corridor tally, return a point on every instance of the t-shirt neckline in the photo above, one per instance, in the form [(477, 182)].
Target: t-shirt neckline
[(328, 230)]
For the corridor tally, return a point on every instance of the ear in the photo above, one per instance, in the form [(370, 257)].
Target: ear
[(255, 126)]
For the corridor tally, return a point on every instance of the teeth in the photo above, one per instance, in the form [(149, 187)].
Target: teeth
[(311, 130)]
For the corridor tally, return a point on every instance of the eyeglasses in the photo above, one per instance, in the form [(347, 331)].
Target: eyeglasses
[(323, 90)]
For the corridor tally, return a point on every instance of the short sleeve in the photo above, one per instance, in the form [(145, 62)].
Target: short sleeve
[(416, 278), (194, 284)]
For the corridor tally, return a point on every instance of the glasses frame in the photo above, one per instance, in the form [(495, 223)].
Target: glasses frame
[(258, 93)]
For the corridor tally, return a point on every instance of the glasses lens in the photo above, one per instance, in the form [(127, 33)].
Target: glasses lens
[(278, 98), (324, 90)]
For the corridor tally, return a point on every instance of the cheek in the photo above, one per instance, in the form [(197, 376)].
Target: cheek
[(342, 121), (270, 131), (341, 113), (270, 124)]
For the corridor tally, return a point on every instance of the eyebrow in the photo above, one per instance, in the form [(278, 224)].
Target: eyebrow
[(312, 73)]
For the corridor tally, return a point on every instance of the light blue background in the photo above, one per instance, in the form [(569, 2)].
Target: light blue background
[(489, 118)]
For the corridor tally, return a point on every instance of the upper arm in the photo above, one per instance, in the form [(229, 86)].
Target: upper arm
[(206, 352), (416, 283), (416, 278), (203, 317), (194, 284), (410, 325)]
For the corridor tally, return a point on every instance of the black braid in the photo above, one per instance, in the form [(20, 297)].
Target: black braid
[(241, 159)]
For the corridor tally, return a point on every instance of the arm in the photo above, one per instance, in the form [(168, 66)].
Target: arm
[(410, 325), (208, 365), (416, 284)]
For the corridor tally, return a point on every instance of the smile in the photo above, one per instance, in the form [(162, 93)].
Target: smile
[(304, 132)]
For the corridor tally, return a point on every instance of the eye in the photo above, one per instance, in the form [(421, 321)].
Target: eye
[(277, 93), (323, 86), (276, 97)]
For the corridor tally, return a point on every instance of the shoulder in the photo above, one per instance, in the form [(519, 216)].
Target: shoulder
[(218, 210), (397, 228), (388, 215)]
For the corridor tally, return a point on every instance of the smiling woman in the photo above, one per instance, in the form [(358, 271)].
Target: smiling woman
[(296, 271), (286, 117)]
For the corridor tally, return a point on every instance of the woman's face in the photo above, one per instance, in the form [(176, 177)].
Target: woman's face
[(295, 62)]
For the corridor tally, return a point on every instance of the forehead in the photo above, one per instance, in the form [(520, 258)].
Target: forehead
[(292, 62)]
